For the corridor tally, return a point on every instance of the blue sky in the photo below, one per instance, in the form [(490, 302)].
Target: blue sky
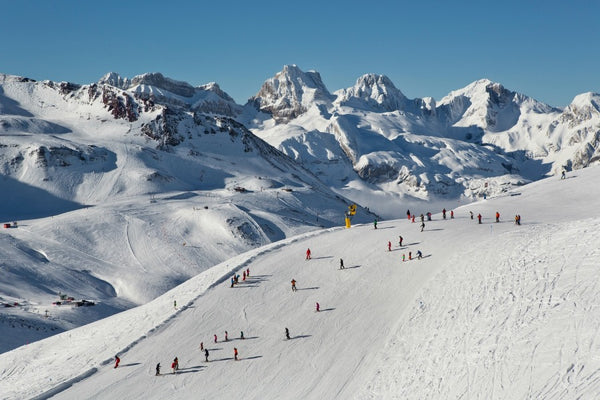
[(548, 50)]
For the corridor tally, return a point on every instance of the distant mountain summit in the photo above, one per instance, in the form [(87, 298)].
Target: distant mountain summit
[(372, 92), (290, 93)]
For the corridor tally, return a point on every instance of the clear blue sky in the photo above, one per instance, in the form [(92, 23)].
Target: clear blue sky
[(549, 50)]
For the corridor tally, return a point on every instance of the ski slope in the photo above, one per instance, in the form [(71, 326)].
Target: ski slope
[(492, 311)]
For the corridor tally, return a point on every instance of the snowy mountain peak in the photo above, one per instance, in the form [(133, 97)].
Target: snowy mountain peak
[(372, 91), (114, 79), (290, 93), (157, 80), (216, 89)]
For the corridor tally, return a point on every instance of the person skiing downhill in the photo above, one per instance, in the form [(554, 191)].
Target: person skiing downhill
[(226, 337), (408, 214), (318, 307), (174, 367), (471, 214), (176, 363), (389, 246), (444, 213), (235, 353), (117, 361), (422, 226), (206, 354), (400, 239), (375, 224), (413, 219), (497, 216), (410, 255), (215, 338), (403, 257), (293, 285), (419, 254), (308, 254), (201, 346), (157, 369), (242, 335), (479, 217), (342, 264), (287, 333), (247, 271), (451, 214), (244, 276)]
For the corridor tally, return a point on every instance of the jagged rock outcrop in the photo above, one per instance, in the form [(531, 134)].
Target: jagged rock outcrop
[(290, 92)]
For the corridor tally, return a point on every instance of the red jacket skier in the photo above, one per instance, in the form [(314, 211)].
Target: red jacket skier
[(308, 254), (389, 246), (117, 361)]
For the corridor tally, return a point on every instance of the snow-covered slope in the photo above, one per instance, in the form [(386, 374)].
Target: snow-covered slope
[(493, 310), (128, 178)]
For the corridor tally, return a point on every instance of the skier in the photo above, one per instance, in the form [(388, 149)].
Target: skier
[(403, 257), (451, 214), (206, 354), (201, 346), (400, 239), (518, 219), (308, 254), (422, 226), (471, 214), (410, 255), (479, 217), (242, 335), (422, 218), (226, 339), (563, 174), (176, 363), (293, 285), (174, 367), (428, 216), (419, 254), (444, 213), (235, 353), (318, 307), (497, 216), (287, 333), (413, 219), (117, 361), (408, 214), (244, 276), (215, 338), (342, 264), (157, 369), (389, 246), (232, 281), (247, 271), (175, 304), (375, 224)]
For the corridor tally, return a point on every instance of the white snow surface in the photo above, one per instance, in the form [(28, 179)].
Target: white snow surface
[(492, 311)]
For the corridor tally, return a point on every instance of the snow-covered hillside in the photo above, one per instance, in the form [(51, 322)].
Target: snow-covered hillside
[(493, 310), (136, 188)]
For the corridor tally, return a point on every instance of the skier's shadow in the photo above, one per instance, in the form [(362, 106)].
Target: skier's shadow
[(428, 255), (412, 244), (251, 358), (181, 371), (432, 230), (129, 365), (352, 267), (386, 227), (320, 258), (299, 337), (308, 288), (328, 309)]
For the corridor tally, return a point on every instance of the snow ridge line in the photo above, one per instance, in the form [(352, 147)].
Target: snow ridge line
[(247, 258)]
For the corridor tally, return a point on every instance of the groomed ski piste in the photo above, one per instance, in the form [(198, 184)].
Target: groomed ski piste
[(492, 311)]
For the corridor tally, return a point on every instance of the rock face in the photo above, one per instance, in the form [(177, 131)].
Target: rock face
[(290, 92), (372, 92)]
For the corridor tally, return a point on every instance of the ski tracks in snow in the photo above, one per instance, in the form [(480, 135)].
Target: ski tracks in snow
[(495, 336)]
